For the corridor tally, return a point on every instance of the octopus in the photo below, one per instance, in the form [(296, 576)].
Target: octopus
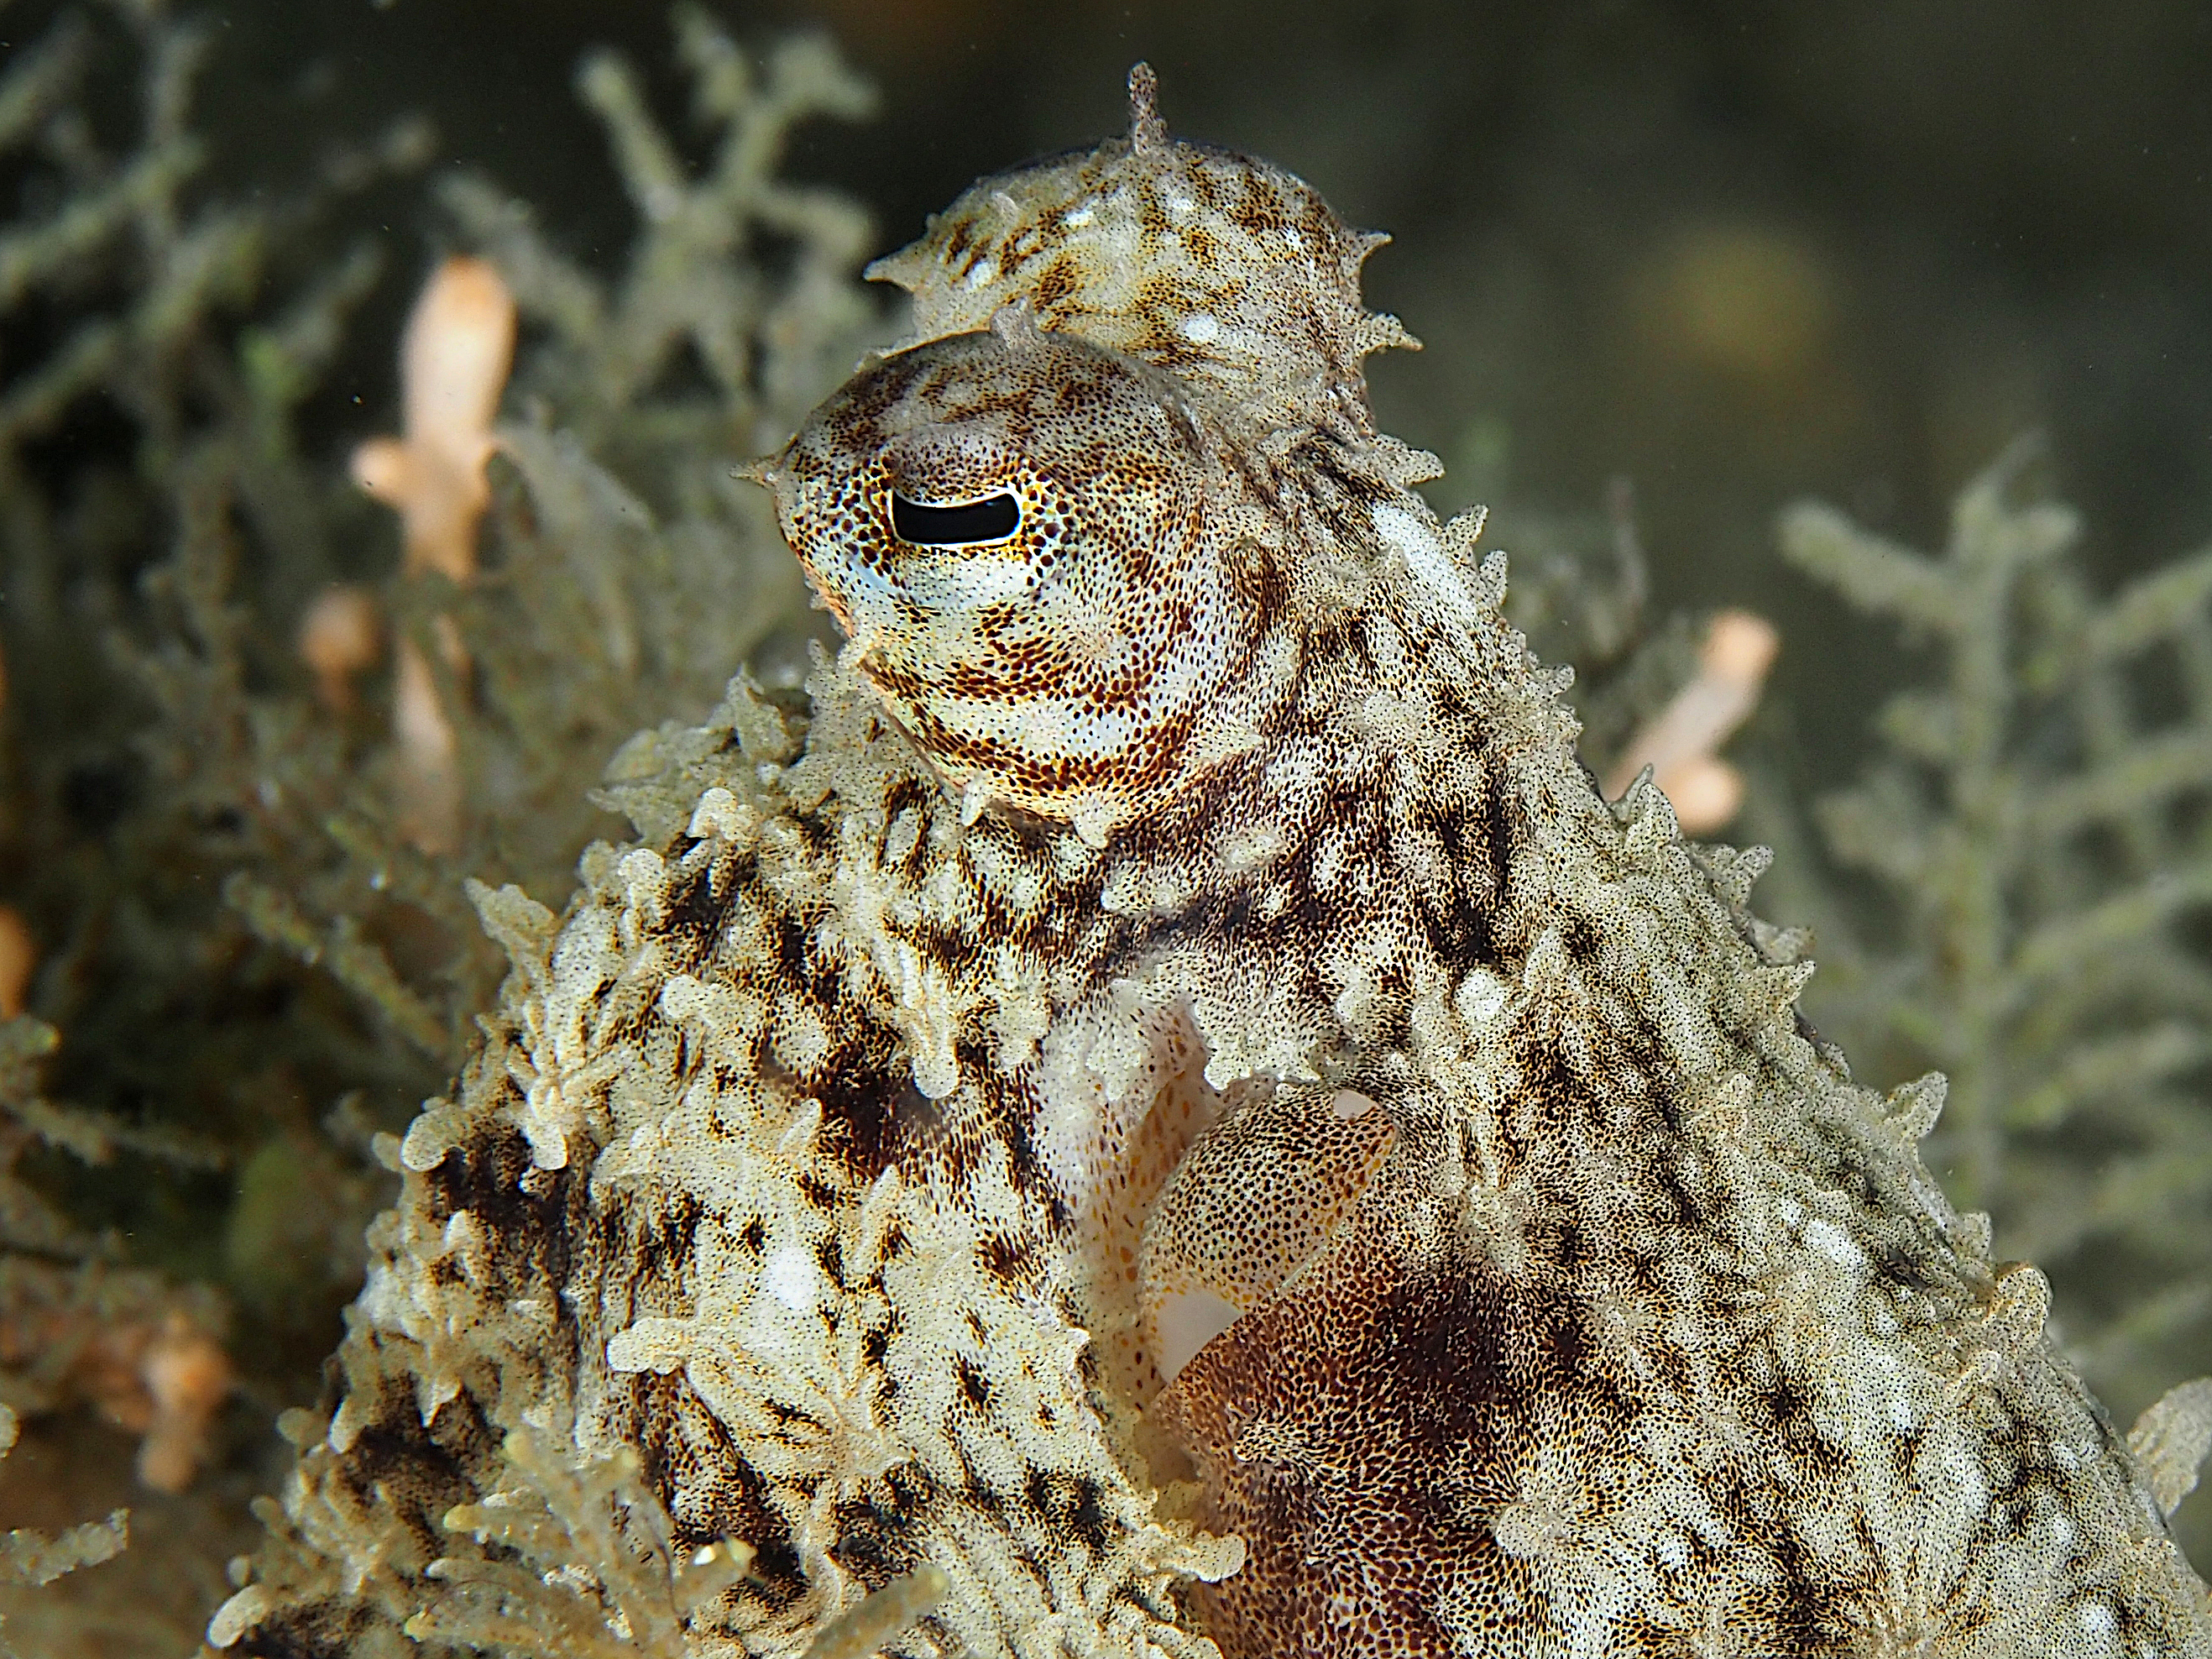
[(1160, 1111)]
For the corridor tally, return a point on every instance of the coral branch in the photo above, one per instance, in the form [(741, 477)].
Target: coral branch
[(1680, 744), (341, 636), (452, 367)]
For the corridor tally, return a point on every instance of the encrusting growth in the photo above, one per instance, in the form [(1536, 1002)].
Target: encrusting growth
[(1168, 1112)]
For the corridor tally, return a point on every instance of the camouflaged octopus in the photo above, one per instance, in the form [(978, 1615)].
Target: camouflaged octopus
[(1166, 1096)]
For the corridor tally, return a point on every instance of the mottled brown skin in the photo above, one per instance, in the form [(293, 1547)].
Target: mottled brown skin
[(1183, 930)]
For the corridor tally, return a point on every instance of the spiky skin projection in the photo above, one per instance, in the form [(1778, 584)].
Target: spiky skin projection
[(1171, 1099)]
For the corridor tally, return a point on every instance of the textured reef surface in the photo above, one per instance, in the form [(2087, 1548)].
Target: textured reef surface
[(1160, 1107)]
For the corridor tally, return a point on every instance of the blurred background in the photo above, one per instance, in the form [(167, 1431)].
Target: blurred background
[(1735, 252)]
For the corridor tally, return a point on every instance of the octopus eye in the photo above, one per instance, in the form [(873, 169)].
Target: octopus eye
[(993, 518)]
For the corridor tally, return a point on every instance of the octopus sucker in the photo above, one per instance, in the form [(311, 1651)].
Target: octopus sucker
[(1189, 1126)]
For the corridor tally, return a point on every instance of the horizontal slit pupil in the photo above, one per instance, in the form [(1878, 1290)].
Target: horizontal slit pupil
[(991, 520)]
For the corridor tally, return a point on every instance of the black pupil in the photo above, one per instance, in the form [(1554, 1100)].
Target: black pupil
[(991, 520)]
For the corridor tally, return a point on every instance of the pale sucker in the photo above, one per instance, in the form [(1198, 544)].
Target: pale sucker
[(1168, 1098)]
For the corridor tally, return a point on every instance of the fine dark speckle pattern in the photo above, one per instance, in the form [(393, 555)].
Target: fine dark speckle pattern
[(1170, 1100)]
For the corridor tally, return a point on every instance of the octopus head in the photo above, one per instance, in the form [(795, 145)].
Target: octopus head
[(1023, 534)]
